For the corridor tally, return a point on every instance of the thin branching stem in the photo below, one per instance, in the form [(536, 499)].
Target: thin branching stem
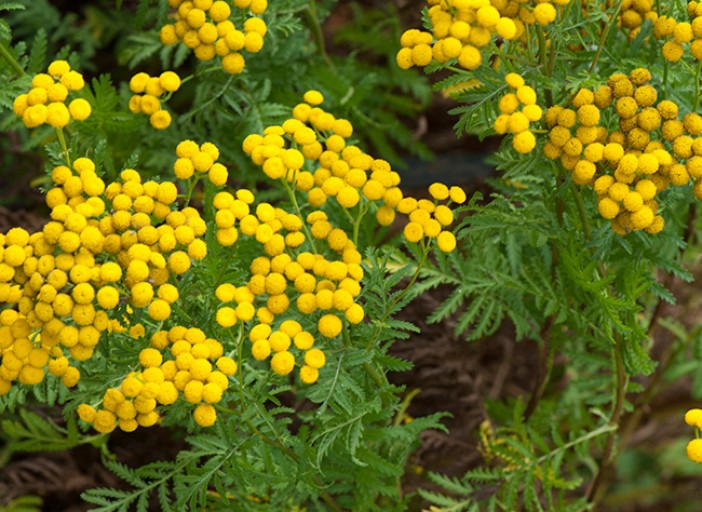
[(64, 146), (11, 61), (605, 33), (599, 484)]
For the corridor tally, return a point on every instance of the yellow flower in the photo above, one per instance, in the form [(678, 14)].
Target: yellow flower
[(315, 358), (693, 417), (544, 13), (329, 325), (672, 51), (470, 57), (261, 349), (524, 142), (226, 365), (309, 375), (282, 363), (694, 450), (608, 208), (160, 120), (79, 109), (104, 421), (205, 415), (58, 68), (446, 241)]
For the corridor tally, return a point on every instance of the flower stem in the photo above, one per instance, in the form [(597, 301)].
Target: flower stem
[(7, 57), (599, 484), (293, 199), (64, 146), (315, 27), (603, 38)]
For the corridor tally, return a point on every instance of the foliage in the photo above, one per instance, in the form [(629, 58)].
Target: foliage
[(209, 214)]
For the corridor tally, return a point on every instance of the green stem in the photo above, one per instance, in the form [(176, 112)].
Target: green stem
[(240, 357), (64, 146), (192, 183), (315, 26), (357, 223), (402, 411), (547, 353), (584, 219), (599, 484), (293, 199), (7, 57), (199, 73), (697, 87), (603, 38)]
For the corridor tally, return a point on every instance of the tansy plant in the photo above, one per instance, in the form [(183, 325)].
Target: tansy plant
[(227, 247), (590, 221), (185, 299)]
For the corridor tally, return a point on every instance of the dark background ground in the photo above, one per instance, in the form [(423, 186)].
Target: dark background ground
[(452, 375)]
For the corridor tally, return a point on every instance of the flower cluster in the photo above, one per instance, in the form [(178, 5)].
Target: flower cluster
[(147, 96), (427, 219), (322, 165), (107, 248), (627, 167), (284, 276), (677, 34), (633, 13), (203, 159), (193, 368), (693, 417), (204, 26), (514, 119), (308, 268), (46, 100), (461, 29)]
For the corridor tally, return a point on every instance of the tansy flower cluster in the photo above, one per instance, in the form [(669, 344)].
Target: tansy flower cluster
[(633, 13), (428, 219), (678, 34), (651, 149), (204, 26), (105, 247), (309, 268), (181, 363), (514, 119), (311, 153), (201, 160), (148, 91), (46, 101), (461, 28), (284, 279), (693, 417)]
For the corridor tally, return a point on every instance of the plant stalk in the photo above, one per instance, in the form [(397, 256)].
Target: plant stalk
[(11, 61)]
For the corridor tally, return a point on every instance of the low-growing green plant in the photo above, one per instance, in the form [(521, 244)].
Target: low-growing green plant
[(224, 260)]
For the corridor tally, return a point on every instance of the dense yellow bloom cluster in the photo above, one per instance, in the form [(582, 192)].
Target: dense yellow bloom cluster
[(105, 246), (201, 159), (309, 268), (693, 417), (427, 219), (284, 277), (181, 362), (310, 152), (204, 26), (460, 28), (679, 34), (633, 13), (46, 100), (652, 149), (514, 119), (147, 93)]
